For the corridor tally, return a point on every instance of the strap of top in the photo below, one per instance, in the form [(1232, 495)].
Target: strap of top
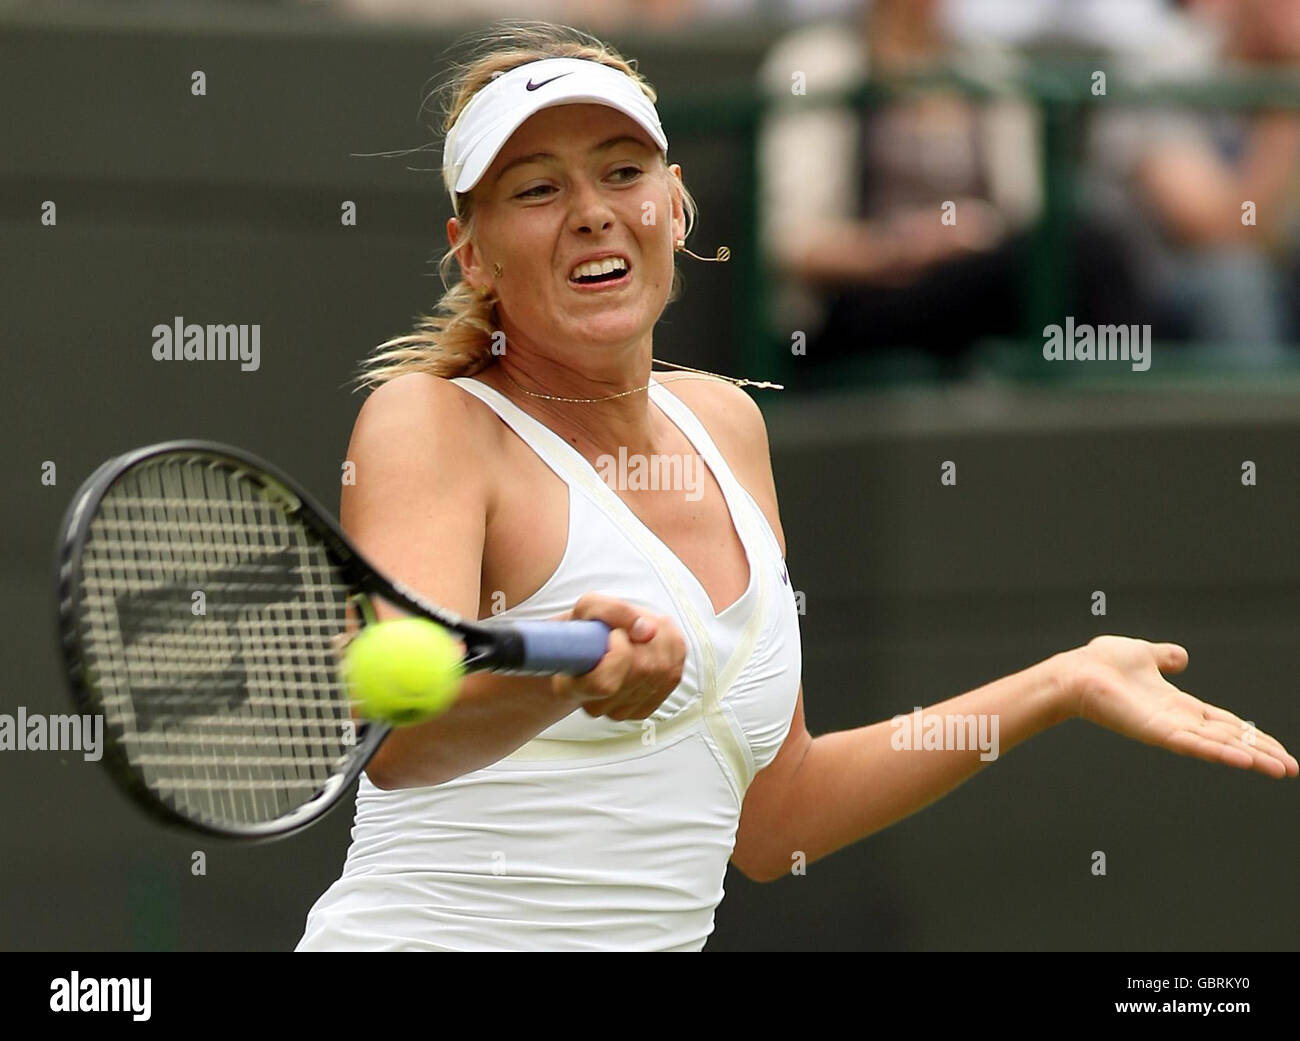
[(540, 438), (690, 425)]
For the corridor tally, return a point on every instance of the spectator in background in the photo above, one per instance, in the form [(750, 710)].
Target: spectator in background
[(645, 14), (853, 199), (1175, 182), (1112, 24)]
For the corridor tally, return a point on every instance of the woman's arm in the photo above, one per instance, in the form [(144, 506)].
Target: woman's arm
[(835, 789), (418, 511), (822, 794), (847, 785), (422, 450)]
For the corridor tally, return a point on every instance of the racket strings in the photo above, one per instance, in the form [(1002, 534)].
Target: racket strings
[(211, 619)]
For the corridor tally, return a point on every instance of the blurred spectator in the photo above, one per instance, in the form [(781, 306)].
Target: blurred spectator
[(593, 15), (1175, 182), (853, 198), (1081, 24)]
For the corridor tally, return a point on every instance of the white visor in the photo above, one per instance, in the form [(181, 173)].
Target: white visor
[(499, 108)]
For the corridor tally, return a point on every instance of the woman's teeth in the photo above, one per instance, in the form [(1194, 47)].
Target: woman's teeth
[(598, 269)]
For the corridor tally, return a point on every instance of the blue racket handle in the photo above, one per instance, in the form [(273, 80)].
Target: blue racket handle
[(568, 647)]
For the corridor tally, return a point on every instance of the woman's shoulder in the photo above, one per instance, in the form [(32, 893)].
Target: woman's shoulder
[(419, 423), (421, 401), (733, 421), (419, 449), (727, 411)]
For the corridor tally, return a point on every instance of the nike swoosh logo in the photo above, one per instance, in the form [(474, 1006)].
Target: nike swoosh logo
[(530, 85)]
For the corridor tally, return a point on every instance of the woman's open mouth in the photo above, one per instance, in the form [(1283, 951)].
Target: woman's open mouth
[(605, 273)]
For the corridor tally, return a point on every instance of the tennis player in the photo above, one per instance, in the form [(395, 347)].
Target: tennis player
[(600, 812)]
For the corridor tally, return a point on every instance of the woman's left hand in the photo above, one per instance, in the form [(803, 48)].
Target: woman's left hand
[(1117, 683)]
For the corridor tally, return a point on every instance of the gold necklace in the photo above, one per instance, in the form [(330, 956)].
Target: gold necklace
[(761, 384)]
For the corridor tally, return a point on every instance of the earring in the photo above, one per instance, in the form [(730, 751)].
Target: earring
[(496, 269)]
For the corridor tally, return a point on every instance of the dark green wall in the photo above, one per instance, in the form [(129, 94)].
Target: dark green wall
[(916, 592)]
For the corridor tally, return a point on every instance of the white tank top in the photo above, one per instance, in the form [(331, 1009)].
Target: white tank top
[(596, 834)]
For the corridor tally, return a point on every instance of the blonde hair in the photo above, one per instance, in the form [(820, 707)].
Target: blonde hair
[(456, 339)]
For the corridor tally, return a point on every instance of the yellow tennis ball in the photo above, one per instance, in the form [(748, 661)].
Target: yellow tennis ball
[(403, 671)]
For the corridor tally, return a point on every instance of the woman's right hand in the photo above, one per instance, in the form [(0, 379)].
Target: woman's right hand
[(642, 666)]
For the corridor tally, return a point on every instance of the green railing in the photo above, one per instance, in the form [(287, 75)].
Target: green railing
[(1061, 91)]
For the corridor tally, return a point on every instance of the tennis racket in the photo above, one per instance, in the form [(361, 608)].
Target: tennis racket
[(203, 608)]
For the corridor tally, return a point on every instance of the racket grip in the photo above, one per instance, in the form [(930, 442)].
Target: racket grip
[(567, 647)]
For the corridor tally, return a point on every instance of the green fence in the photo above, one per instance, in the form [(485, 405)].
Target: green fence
[(1062, 95)]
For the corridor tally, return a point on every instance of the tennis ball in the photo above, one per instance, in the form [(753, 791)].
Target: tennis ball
[(403, 671)]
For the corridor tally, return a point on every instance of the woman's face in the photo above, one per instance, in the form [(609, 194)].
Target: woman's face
[(572, 181)]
